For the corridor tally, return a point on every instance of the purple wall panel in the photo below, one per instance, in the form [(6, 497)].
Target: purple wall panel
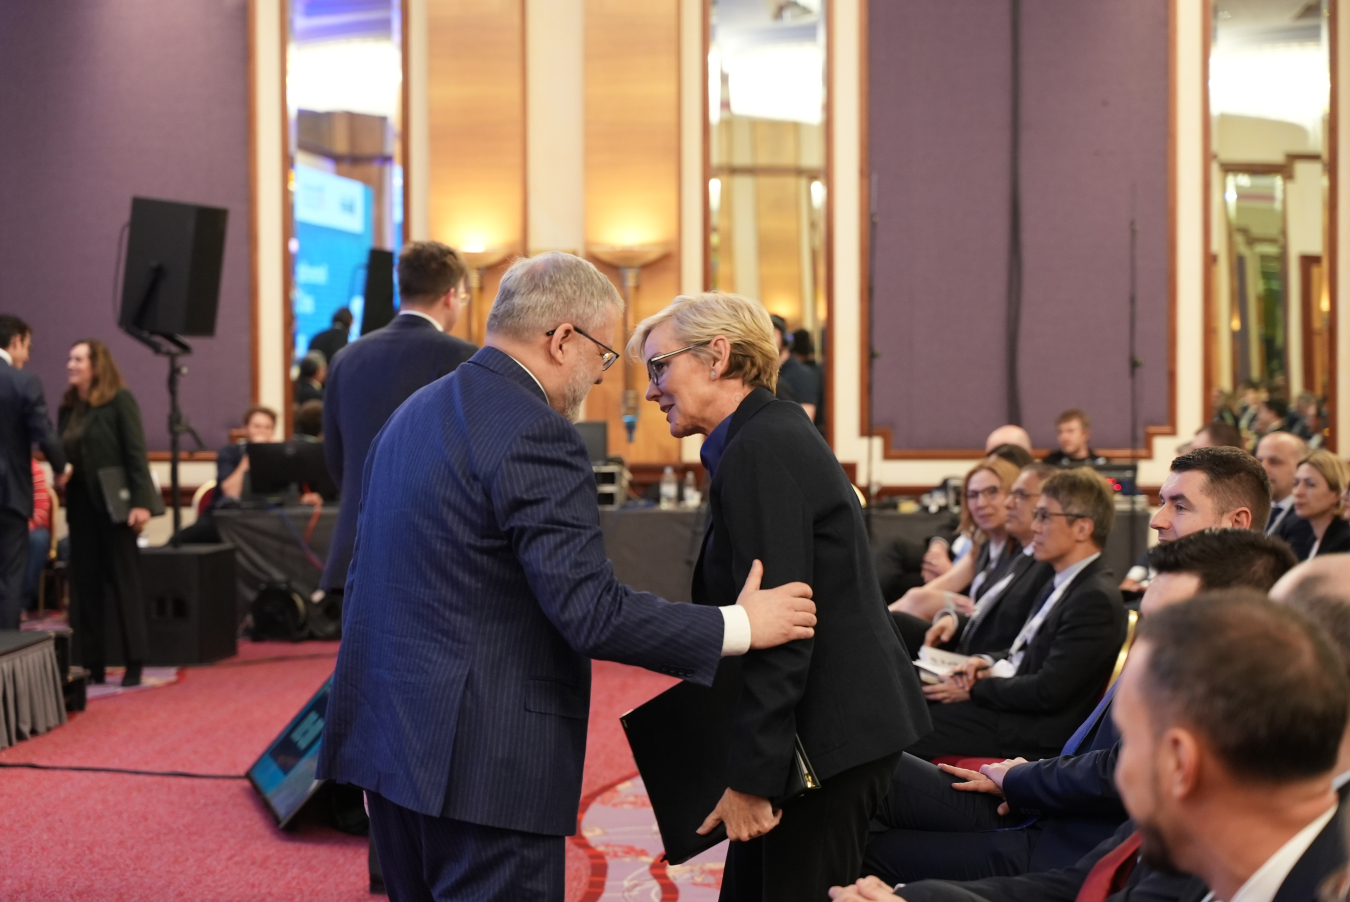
[(938, 131), (102, 100), (1094, 153)]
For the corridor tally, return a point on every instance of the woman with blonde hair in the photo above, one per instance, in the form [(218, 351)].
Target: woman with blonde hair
[(100, 424), (1319, 484), (779, 496), (984, 517)]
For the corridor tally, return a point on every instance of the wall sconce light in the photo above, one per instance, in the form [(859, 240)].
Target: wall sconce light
[(479, 261), (629, 260)]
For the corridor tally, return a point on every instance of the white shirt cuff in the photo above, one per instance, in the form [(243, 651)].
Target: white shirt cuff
[(735, 630)]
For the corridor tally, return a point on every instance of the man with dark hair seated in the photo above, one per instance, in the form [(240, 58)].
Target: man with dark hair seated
[(1027, 699), (1233, 711), (232, 467), (1217, 434), (1208, 488), (932, 826)]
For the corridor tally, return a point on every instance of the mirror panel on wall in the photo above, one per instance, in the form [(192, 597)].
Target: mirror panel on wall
[(1269, 314), (344, 96), (766, 152)]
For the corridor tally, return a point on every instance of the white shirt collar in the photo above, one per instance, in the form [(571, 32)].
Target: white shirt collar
[(4, 355), (1269, 877), (1286, 503), (409, 312), (532, 375), (1073, 570)]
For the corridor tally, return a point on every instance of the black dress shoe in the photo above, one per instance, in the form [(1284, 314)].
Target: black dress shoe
[(98, 675), (133, 675)]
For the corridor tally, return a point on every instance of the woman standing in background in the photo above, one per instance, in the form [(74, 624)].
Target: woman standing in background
[(100, 425)]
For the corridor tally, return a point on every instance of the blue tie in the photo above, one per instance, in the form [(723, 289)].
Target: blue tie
[(1076, 740)]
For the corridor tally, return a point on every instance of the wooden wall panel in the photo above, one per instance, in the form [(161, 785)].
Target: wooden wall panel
[(476, 112), (633, 178)]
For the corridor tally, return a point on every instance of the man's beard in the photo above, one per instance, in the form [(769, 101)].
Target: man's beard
[(574, 395), (1153, 850)]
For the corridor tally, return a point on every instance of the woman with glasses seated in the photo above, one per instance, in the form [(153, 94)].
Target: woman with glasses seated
[(779, 496), (984, 517)]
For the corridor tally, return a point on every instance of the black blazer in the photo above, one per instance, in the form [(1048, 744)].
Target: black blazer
[(113, 437), (329, 342), (1300, 536), (367, 381), (1064, 669), (779, 495), (23, 424), (1000, 624)]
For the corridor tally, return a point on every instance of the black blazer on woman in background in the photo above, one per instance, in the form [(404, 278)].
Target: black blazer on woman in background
[(113, 437), (1301, 538), (779, 496)]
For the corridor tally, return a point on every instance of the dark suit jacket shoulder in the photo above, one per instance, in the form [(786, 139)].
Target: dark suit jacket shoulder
[(23, 425), (367, 381), (998, 627), (479, 590), (1298, 532), (779, 495), (113, 437)]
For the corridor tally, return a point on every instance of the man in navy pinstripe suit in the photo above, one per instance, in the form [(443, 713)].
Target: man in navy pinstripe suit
[(479, 591)]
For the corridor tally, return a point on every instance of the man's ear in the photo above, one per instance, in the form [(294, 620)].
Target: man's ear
[(1240, 518), (1180, 763)]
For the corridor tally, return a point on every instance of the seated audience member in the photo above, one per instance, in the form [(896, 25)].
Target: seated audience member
[(1233, 766), (1026, 700), (308, 422), (309, 384), (334, 339), (39, 537), (1207, 488), (1008, 435), (984, 519), (260, 425), (947, 823), (999, 610), (1073, 430), (1217, 434), (1321, 528), (1279, 453), (1222, 407), (1316, 419), (1016, 455), (1273, 415)]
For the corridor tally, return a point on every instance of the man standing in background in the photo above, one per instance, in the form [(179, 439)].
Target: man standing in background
[(372, 376), (23, 424)]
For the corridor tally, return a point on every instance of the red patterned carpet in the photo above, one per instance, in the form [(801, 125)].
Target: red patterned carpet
[(108, 836)]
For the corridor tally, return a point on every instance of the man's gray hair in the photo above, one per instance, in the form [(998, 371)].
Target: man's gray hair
[(539, 293)]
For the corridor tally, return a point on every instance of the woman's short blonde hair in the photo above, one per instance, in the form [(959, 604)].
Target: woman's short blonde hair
[(698, 319), (1334, 470)]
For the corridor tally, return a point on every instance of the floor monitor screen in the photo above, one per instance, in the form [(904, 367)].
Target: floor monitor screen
[(284, 775)]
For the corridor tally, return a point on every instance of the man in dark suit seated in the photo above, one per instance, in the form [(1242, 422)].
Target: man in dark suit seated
[(479, 591), (1279, 453), (948, 823), (23, 426), (1004, 602), (372, 376), (1026, 699), (334, 339), (1234, 766)]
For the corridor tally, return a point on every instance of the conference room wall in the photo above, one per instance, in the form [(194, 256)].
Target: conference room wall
[(1094, 154), (102, 100)]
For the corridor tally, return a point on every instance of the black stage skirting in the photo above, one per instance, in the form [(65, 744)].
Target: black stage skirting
[(652, 549), (30, 686)]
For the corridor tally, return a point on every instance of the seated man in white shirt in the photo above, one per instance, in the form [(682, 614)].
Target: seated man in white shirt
[(1279, 453), (1027, 699)]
